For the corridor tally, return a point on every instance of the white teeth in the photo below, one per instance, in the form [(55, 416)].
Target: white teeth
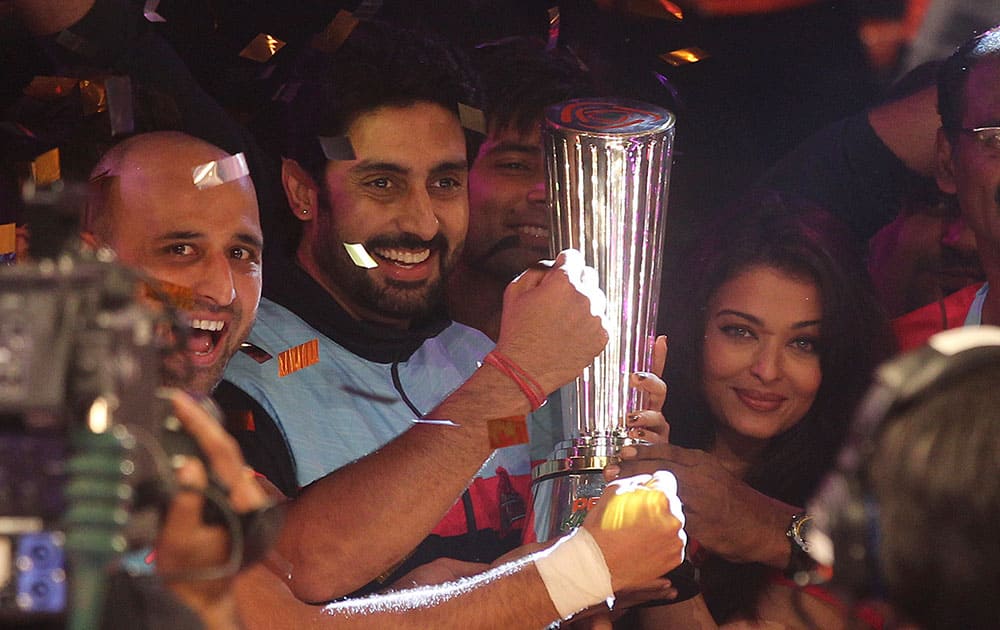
[(403, 256), (211, 325), (532, 230)]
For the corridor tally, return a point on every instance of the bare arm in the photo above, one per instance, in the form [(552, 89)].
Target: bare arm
[(360, 520), (725, 515), (484, 601), (859, 168), (908, 127), (636, 526)]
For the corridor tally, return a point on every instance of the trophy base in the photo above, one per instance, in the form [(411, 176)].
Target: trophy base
[(567, 485)]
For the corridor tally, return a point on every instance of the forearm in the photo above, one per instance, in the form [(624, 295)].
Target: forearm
[(357, 522), (764, 540), (908, 127), (849, 170), (637, 519), (483, 601)]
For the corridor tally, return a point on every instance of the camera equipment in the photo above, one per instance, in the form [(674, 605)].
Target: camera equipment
[(85, 442), (847, 534)]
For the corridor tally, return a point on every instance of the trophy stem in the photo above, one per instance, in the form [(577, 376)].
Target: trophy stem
[(569, 482)]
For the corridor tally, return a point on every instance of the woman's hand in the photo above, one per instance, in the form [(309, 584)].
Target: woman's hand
[(649, 424), (724, 514)]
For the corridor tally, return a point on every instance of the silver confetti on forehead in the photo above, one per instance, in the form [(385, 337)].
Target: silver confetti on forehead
[(218, 172), (337, 147)]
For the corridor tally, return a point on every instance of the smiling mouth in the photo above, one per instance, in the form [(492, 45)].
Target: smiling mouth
[(204, 336), (759, 401), (403, 257)]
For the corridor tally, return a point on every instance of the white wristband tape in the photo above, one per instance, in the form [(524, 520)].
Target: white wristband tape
[(575, 574)]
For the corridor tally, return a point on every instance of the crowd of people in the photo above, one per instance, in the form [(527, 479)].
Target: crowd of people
[(365, 302)]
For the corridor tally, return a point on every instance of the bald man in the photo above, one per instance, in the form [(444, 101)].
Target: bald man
[(208, 239)]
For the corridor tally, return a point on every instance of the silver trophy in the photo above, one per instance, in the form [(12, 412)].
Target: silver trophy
[(608, 166)]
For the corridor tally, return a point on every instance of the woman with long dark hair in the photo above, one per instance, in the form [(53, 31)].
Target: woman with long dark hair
[(773, 340)]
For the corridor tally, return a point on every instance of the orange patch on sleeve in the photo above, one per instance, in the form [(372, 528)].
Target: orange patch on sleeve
[(299, 357)]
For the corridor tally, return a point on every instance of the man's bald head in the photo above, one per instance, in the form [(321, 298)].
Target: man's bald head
[(149, 164), (208, 238)]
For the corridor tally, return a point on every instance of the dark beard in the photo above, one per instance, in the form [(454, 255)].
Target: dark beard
[(397, 300)]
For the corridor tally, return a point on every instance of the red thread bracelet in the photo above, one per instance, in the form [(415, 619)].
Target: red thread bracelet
[(532, 390), (523, 374)]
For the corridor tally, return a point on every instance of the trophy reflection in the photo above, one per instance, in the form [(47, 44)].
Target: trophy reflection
[(608, 172)]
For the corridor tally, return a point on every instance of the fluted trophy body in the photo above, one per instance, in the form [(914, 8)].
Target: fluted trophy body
[(608, 172)]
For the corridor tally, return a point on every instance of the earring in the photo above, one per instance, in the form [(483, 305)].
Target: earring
[(304, 211)]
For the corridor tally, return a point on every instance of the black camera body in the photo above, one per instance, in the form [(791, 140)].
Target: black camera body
[(87, 441), (79, 359)]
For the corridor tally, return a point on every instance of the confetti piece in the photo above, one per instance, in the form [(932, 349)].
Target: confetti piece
[(262, 48), (8, 240), (149, 11), (94, 96), (337, 147), (44, 169), (507, 431), (674, 94), (218, 172), (335, 33), (241, 420), (554, 19), (256, 353), (119, 100), (671, 8), (684, 56), (472, 118), (660, 9), (360, 255), (442, 423), (298, 358)]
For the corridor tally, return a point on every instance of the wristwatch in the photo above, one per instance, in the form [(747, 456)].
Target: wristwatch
[(800, 563)]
